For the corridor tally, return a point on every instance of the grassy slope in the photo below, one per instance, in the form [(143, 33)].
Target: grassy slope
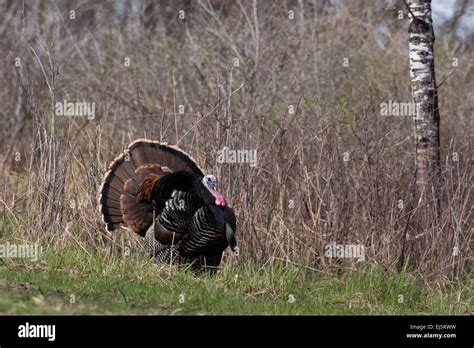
[(103, 284)]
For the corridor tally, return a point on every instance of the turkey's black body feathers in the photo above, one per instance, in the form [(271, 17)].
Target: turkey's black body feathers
[(154, 184)]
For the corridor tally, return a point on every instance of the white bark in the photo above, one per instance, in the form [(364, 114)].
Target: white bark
[(424, 93)]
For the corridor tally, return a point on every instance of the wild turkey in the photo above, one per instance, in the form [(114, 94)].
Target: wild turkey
[(152, 183)]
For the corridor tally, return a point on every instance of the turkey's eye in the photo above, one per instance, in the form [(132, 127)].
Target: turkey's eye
[(209, 180)]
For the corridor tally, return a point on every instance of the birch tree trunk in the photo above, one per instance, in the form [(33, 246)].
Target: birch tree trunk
[(423, 84)]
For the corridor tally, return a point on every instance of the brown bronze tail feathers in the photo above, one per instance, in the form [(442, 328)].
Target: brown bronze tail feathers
[(127, 188), (145, 191)]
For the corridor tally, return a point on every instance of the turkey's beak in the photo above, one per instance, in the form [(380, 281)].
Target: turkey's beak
[(230, 236)]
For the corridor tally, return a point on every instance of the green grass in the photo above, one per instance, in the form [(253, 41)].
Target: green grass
[(104, 284)]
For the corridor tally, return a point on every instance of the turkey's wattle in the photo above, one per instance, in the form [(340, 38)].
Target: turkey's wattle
[(158, 190), (210, 182)]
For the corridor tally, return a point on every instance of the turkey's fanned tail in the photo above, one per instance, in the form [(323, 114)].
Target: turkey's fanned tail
[(141, 165)]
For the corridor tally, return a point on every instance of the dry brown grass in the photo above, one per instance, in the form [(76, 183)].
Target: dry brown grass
[(49, 195)]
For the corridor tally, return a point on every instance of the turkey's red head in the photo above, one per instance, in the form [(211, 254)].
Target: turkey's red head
[(210, 183)]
